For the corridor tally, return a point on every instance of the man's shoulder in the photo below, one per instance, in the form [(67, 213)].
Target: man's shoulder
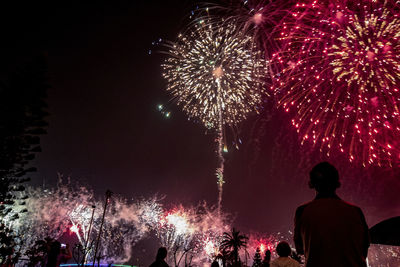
[(293, 263), (301, 208), (351, 205), (337, 200), (284, 261), (333, 202)]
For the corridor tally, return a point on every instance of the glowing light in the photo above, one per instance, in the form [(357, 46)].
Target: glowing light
[(218, 72), (262, 248), (74, 229), (338, 71), (225, 149), (210, 248), (161, 108), (258, 18), (180, 223), (198, 229)]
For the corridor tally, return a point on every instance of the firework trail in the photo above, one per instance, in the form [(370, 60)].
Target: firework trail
[(217, 78), (338, 70)]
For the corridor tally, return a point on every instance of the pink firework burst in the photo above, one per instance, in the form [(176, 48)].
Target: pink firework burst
[(255, 18), (338, 73)]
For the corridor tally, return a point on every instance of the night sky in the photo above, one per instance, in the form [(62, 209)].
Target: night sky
[(105, 130)]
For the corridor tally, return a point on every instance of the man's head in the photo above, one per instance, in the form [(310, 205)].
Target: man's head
[(283, 249), (324, 177), (161, 253)]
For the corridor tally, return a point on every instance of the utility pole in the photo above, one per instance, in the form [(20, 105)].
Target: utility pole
[(85, 249), (108, 196)]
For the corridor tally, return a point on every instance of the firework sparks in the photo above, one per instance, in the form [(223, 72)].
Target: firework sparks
[(338, 69), (196, 229), (212, 74), (74, 228), (180, 223), (216, 77), (69, 208), (211, 248), (380, 255), (254, 17), (176, 230)]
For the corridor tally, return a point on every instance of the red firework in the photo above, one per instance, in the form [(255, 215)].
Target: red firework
[(338, 73)]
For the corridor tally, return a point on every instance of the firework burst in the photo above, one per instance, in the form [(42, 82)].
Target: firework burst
[(216, 77), (70, 207), (213, 75), (252, 17), (338, 69), (255, 18), (195, 231)]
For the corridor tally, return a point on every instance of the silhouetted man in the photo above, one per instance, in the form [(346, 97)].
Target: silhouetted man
[(328, 230), (283, 249), (160, 258)]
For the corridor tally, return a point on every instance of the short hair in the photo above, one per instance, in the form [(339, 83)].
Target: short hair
[(161, 253), (324, 177), (283, 249)]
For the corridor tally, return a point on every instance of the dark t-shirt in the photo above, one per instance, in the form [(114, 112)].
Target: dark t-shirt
[(331, 232)]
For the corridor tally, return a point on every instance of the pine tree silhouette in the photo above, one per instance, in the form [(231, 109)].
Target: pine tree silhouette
[(22, 114), (257, 258)]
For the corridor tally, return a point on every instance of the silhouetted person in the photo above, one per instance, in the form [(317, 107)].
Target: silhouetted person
[(52, 256), (160, 258), (267, 259), (65, 255), (283, 249), (58, 255), (215, 264), (9, 262), (328, 230)]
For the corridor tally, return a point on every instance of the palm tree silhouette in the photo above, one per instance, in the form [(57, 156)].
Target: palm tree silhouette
[(232, 243)]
